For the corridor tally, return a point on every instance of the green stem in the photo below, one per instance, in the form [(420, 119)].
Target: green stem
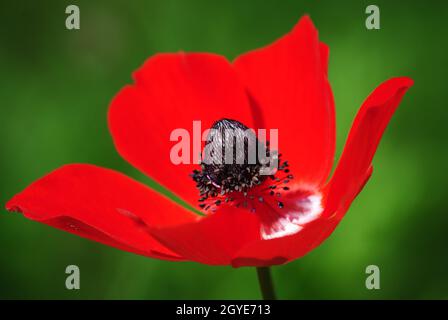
[(266, 286)]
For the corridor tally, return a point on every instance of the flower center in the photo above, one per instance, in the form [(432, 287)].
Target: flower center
[(234, 165)]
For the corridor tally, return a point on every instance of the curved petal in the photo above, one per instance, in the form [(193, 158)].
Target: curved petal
[(362, 142), (213, 240), (287, 82), (352, 173), (172, 91), (100, 204)]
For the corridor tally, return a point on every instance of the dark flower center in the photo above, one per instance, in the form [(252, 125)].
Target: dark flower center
[(232, 165)]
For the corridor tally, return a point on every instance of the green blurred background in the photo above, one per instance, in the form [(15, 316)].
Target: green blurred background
[(55, 89)]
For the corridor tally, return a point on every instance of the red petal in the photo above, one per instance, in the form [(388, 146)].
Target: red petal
[(171, 91), (99, 204), (213, 240), (362, 142), (282, 250), (352, 173), (287, 82), (325, 56)]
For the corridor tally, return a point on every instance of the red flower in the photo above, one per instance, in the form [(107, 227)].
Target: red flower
[(282, 86)]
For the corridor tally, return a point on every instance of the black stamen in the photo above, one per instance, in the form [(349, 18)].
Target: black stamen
[(218, 176), (239, 172)]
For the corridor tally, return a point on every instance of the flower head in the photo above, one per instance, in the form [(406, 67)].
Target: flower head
[(249, 218)]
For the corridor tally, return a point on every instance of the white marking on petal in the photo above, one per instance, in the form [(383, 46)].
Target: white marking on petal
[(294, 217), (282, 227), (312, 208)]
